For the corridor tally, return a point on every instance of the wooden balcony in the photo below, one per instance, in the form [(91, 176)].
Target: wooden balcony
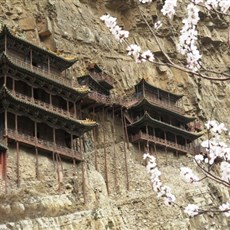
[(100, 98), (43, 105), (103, 78), (45, 145), (131, 101), (40, 71), (160, 141)]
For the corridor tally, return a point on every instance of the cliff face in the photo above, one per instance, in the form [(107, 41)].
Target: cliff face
[(73, 27)]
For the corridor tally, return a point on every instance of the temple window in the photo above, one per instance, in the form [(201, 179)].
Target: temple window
[(41, 95), (23, 88), (9, 83), (27, 129), (59, 102)]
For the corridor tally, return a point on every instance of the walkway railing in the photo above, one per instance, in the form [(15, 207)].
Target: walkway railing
[(130, 101), (43, 105), (160, 141), (42, 72), (102, 77), (43, 144)]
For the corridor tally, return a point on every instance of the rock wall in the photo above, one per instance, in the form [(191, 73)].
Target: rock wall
[(72, 27)]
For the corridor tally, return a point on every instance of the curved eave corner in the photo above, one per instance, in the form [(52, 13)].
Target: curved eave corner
[(68, 60)]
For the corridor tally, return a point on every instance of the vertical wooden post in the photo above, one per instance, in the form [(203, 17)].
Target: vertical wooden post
[(17, 152), (31, 58), (48, 64), (143, 87), (139, 150), (114, 153), (67, 107), (51, 102), (83, 174), (6, 125), (147, 133), (75, 109), (5, 43), (36, 149), (126, 164), (54, 141), (6, 144), (126, 132), (13, 87), (94, 141), (105, 154), (18, 166)]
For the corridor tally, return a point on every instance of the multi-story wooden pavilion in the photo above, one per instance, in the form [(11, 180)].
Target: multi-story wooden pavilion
[(155, 118), (100, 84), (38, 102)]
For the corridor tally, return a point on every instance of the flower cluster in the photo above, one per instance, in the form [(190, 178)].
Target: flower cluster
[(215, 148), (163, 191), (188, 38), (187, 175), (224, 5), (191, 210), (145, 1), (135, 51), (225, 208), (120, 35), (169, 8), (117, 31), (157, 25)]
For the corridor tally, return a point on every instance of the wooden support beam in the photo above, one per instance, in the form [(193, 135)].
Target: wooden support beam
[(83, 174), (126, 132), (48, 64), (5, 43), (5, 172), (126, 163), (31, 58), (83, 182), (104, 147), (94, 140), (114, 153), (18, 165), (36, 163)]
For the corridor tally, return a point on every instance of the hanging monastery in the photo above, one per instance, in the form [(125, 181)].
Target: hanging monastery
[(44, 113)]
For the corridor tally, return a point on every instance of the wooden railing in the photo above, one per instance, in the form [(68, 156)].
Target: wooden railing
[(42, 72), (102, 77), (43, 144), (100, 98), (42, 104), (161, 141), (130, 101)]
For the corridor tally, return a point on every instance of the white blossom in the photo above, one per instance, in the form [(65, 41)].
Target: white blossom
[(187, 175), (134, 50), (157, 25), (224, 5), (225, 171), (145, 1), (188, 37), (117, 31), (191, 210), (147, 56), (169, 8), (199, 158), (154, 172), (225, 208)]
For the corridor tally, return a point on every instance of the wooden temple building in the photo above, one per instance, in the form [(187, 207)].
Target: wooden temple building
[(38, 102), (100, 84), (154, 118), (45, 110)]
